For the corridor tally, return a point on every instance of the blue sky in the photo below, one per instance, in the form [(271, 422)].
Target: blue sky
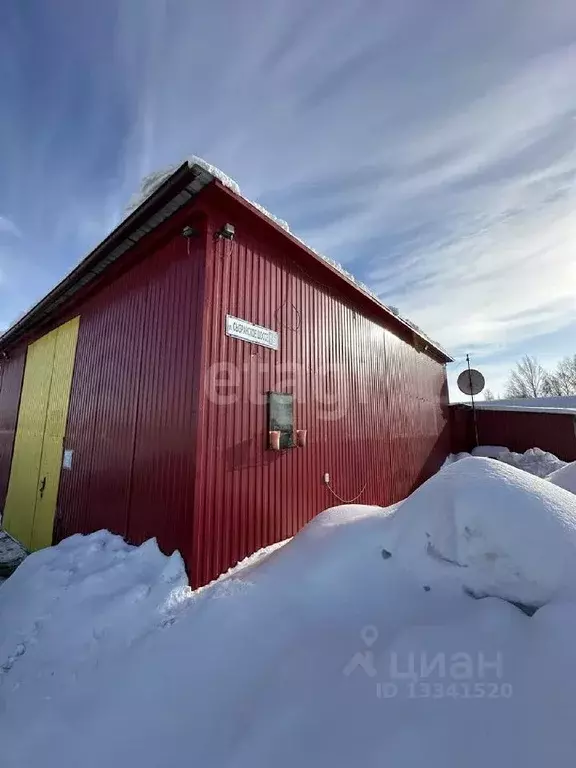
[(429, 147)]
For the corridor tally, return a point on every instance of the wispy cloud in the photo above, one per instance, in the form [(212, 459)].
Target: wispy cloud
[(430, 147), (459, 208), (9, 227), (499, 261)]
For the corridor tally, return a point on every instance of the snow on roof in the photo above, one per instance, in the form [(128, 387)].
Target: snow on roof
[(117, 243), (281, 222), (151, 182), (365, 289), (566, 405)]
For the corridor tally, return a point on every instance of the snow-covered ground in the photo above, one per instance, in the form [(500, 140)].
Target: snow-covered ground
[(357, 643)]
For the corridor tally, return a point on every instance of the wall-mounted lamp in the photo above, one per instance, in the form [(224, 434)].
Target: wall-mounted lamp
[(189, 231), (226, 232)]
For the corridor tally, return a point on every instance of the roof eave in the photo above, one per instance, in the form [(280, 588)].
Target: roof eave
[(381, 308), (180, 187), (171, 195)]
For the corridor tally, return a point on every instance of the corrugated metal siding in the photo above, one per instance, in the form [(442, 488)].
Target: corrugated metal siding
[(390, 434), (419, 430), (517, 430), (165, 441), (133, 404), (95, 493), (461, 429), (11, 374)]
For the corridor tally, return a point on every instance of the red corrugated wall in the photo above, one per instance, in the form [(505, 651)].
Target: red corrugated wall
[(11, 374), (517, 430), (157, 453), (134, 402), (375, 409)]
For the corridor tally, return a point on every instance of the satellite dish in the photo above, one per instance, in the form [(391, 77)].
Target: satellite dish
[(471, 382)]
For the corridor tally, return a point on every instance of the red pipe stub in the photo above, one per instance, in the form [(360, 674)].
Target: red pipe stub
[(301, 437), (274, 439)]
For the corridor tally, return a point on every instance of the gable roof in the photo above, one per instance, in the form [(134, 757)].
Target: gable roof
[(172, 194)]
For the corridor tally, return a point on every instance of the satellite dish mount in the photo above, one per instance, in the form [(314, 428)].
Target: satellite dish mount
[(471, 382)]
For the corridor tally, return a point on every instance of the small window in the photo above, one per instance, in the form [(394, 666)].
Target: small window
[(281, 417)]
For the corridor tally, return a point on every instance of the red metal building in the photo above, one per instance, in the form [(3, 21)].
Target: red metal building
[(516, 429), (185, 327)]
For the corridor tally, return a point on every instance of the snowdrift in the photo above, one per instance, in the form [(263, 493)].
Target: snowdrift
[(355, 643), (565, 477), (500, 531), (534, 460)]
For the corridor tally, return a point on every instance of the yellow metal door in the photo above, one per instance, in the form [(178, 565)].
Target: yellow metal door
[(23, 486), (36, 463), (52, 447)]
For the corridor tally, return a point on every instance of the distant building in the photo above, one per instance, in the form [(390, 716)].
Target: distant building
[(548, 423)]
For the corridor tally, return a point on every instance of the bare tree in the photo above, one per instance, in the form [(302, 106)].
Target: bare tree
[(528, 379), (489, 395), (563, 381)]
